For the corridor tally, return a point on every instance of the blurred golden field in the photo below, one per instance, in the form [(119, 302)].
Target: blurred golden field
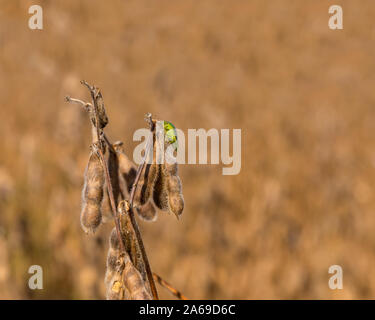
[(302, 94)]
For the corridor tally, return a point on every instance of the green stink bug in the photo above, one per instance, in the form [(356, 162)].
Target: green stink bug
[(170, 133)]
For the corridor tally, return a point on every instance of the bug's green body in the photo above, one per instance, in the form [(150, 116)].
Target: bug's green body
[(170, 133)]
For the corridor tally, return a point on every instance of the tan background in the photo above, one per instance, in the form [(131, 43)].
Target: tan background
[(302, 94)]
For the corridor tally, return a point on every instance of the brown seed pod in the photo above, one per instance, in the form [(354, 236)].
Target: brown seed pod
[(127, 168), (134, 282), (167, 194), (113, 240), (106, 208), (103, 119), (92, 194), (148, 178), (160, 195), (148, 183), (102, 116), (175, 197), (113, 168), (130, 239), (115, 288), (147, 211), (122, 279), (128, 172)]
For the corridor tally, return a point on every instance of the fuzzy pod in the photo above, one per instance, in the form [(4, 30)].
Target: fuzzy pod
[(122, 279), (174, 187), (113, 252), (175, 197), (171, 169), (134, 282), (113, 168), (114, 243), (147, 211), (130, 240), (103, 119), (149, 179), (115, 287), (102, 116), (167, 194), (127, 168), (112, 260), (92, 195), (106, 208), (117, 183), (113, 240), (160, 194)]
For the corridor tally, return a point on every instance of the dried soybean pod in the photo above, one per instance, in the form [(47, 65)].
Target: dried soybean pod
[(113, 240), (134, 282), (167, 194), (98, 102), (147, 211), (128, 172), (147, 179), (113, 168), (103, 119), (160, 194), (127, 168), (175, 197), (92, 194), (151, 173), (174, 187), (114, 283), (113, 251), (130, 239), (115, 290), (126, 231), (106, 209)]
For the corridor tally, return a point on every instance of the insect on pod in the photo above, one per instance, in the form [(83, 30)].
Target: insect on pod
[(92, 194), (168, 188)]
